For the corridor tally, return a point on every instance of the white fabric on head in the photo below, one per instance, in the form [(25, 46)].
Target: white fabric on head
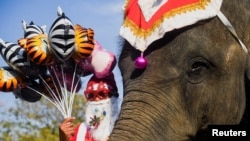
[(149, 7), (141, 40)]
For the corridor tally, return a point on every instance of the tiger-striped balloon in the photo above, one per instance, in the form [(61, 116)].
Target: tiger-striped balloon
[(30, 31), (38, 50), (14, 55), (61, 36), (84, 43), (10, 79)]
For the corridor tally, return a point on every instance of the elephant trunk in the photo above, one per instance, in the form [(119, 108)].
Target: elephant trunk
[(147, 116)]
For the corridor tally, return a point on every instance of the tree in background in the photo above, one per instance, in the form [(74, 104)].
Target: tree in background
[(37, 121)]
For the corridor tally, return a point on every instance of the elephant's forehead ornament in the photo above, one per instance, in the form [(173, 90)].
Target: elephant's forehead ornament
[(147, 21)]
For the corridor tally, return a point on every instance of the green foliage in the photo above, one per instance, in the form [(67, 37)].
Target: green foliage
[(36, 121)]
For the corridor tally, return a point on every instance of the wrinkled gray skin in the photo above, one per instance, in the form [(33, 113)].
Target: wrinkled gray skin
[(196, 76)]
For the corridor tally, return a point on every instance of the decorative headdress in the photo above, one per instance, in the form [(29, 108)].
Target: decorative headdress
[(147, 21)]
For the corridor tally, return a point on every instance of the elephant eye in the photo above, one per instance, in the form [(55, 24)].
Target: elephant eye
[(198, 69)]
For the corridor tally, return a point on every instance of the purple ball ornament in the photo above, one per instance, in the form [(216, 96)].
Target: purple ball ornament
[(141, 62)]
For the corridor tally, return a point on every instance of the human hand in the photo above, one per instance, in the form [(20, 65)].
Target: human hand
[(66, 129)]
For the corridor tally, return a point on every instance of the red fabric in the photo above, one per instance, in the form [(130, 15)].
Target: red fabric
[(87, 136), (73, 138), (134, 13)]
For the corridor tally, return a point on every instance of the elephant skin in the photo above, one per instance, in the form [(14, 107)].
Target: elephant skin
[(196, 76)]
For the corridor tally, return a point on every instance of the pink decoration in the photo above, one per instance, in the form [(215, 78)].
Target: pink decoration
[(100, 63), (141, 62)]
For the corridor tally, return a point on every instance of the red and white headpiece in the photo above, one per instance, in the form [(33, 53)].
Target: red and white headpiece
[(146, 21), (101, 88)]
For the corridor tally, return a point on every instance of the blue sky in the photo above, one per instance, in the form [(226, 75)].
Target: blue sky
[(104, 16)]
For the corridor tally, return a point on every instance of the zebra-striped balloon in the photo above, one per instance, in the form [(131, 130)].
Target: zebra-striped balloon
[(14, 55), (61, 36), (32, 30)]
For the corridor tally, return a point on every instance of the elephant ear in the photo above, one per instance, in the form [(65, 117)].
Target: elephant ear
[(247, 41), (241, 24), (248, 66), (230, 27)]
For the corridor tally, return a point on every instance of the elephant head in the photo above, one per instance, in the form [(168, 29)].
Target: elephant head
[(196, 76)]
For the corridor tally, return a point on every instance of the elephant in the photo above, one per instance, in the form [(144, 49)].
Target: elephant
[(196, 76)]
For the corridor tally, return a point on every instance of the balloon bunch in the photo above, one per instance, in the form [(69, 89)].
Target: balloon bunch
[(51, 65)]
